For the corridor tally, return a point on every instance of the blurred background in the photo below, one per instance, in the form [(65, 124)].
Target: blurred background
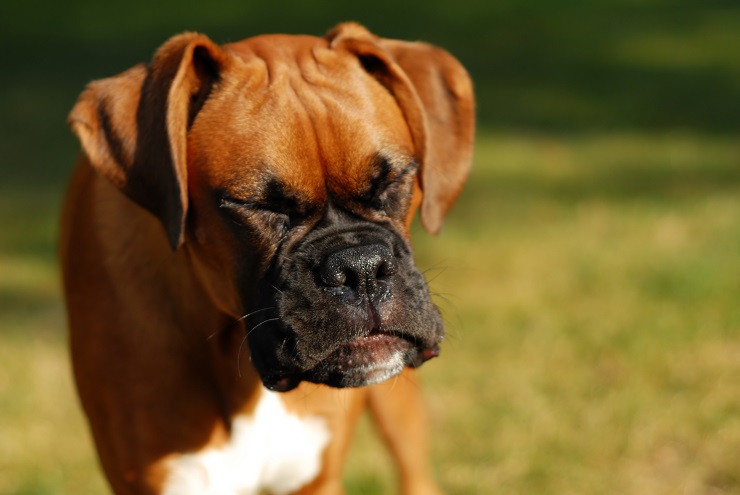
[(589, 275)]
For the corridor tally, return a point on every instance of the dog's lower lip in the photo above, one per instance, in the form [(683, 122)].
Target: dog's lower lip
[(429, 353), (374, 347), (281, 383), (382, 338)]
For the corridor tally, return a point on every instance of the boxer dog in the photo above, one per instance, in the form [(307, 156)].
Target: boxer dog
[(236, 259)]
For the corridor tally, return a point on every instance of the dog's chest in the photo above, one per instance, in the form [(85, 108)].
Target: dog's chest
[(271, 450)]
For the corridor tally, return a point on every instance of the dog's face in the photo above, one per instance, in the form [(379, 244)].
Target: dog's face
[(306, 159), (313, 202)]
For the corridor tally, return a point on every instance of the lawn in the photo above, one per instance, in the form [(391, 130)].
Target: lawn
[(590, 287), (589, 275)]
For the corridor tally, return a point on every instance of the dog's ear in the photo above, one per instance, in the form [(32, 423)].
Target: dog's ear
[(133, 127), (435, 95)]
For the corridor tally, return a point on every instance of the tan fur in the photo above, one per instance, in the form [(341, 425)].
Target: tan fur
[(156, 340)]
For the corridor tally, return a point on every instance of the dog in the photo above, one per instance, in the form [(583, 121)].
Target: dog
[(236, 262)]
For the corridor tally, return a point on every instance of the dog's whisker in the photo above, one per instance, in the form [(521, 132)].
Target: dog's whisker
[(436, 266), (255, 312), (447, 299), (239, 357), (219, 331), (260, 324), (294, 352), (395, 381)]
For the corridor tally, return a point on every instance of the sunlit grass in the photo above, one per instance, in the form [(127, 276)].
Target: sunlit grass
[(596, 280), (44, 445), (590, 286)]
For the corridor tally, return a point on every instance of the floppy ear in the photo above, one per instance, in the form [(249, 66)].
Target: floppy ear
[(133, 127), (435, 95)]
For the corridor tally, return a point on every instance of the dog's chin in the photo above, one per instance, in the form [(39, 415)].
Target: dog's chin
[(363, 361)]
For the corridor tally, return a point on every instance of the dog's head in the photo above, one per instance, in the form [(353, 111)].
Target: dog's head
[(290, 168)]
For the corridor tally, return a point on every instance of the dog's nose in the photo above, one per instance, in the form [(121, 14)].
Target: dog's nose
[(359, 272)]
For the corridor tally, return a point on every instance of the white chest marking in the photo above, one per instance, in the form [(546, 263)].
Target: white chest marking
[(273, 450)]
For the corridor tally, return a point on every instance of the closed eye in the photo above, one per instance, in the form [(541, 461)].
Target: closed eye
[(244, 212), (388, 184)]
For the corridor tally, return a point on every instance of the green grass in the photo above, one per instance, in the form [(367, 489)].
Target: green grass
[(600, 295), (590, 284), (589, 274)]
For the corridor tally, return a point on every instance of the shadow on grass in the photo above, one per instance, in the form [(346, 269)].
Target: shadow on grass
[(655, 65), (618, 184)]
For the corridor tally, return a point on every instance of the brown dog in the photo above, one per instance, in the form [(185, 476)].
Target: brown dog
[(285, 171)]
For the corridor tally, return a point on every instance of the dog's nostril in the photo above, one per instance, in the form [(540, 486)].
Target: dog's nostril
[(386, 269), (334, 278), (358, 268)]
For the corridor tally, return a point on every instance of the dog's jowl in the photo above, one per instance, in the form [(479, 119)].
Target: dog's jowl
[(236, 259)]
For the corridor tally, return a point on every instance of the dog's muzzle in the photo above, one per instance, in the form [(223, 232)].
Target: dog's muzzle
[(352, 310)]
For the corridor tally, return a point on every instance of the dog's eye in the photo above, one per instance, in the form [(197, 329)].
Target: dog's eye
[(386, 189), (242, 213), (277, 222)]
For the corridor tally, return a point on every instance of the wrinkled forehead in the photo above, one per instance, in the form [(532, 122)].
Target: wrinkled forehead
[(302, 114)]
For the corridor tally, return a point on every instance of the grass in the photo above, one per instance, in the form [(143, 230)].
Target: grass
[(589, 274), (590, 284), (601, 296)]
